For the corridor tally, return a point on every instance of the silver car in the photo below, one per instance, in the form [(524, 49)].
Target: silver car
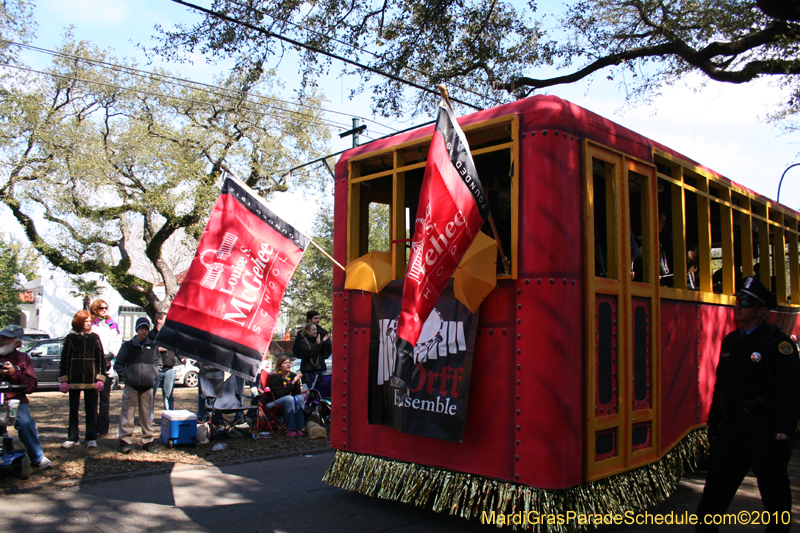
[(187, 374)]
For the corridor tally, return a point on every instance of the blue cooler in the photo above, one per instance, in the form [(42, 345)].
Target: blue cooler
[(178, 427)]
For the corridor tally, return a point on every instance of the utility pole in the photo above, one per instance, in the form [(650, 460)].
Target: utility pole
[(355, 132)]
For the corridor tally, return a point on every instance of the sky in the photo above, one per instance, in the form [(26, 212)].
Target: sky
[(721, 126)]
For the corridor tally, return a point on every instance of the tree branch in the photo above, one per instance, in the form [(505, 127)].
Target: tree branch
[(700, 59)]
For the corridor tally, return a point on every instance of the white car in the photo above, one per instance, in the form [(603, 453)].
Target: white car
[(187, 374)]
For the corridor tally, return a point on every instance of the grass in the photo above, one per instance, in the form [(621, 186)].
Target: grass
[(50, 411)]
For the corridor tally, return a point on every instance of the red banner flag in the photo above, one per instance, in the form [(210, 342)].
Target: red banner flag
[(452, 209), (225, 311)]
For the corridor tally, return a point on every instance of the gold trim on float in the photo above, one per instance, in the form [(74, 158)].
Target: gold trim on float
[(474, 497), (422, 141)]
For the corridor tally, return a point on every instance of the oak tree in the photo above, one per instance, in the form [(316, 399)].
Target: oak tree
[(17, 260), (106, 167), (490, 51), (311, 287)]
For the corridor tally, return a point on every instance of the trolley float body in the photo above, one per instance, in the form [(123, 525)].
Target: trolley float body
[(589, 389)]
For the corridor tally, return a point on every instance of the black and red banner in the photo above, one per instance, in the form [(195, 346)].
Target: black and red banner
[(438, 387), (452, 209), (226, 308)]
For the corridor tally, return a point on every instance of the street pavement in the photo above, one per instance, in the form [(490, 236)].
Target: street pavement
[(277, 495)]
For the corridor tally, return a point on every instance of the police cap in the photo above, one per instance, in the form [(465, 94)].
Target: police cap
[(755, 292)]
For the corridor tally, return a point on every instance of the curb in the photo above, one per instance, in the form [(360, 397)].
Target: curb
[(164, 470)]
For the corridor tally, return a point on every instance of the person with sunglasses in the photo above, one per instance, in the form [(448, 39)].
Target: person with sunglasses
[(754, 411), (111, 339)]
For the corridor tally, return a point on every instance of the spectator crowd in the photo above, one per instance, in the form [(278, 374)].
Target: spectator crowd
[(94, 354)]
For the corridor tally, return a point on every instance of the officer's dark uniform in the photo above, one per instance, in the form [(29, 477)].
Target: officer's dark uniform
[(756, 397)]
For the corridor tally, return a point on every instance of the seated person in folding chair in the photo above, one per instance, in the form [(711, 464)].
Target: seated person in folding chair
[(286, 387), (260, 388), (269, 416)]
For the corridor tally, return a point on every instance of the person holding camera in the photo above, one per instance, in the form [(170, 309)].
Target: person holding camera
[(312, 346), (166, 378), (16, 368)]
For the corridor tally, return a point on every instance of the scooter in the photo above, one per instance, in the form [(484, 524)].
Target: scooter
[(11, 460)]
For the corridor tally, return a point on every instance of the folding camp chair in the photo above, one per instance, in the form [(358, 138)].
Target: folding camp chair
[(223, 403), (270, 415)]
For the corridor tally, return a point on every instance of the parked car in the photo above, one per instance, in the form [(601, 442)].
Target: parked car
[(187, 374), (324, 378), (46, 357), (30, 336)]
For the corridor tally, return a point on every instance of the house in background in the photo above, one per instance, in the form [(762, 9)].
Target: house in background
[(47, 305), (127, 316)]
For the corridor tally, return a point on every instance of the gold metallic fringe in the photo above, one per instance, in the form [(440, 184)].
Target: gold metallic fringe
[(468, 495)]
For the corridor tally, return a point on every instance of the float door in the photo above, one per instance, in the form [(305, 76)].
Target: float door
[(621, 313)]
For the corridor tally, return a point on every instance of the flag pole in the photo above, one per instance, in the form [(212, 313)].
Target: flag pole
[(224, 166), (334, 261), (506, 266)]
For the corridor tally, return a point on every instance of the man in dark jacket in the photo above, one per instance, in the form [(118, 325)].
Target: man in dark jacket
[(138, 364), (754, 411), (17, 368), (166, 378)]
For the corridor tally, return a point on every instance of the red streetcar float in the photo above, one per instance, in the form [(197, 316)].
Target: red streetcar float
[(594, 358)]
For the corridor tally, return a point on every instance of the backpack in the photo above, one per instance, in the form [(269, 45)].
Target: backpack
[(313, 399)]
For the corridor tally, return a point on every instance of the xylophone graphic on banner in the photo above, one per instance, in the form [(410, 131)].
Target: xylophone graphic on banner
[(436, 403)]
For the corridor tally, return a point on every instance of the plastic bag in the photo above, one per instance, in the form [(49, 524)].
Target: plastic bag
[(202, 434)]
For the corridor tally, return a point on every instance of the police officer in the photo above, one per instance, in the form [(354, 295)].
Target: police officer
[(754, 411)]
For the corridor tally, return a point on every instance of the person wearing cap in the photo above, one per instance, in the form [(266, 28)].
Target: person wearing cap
[(138, 364), (754, 410), (16, 368)]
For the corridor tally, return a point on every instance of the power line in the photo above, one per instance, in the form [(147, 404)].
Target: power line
[(348, 45), (152, 93), (145, 73), (317, 50), (323, 158), (179, 98), (185, 80)]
